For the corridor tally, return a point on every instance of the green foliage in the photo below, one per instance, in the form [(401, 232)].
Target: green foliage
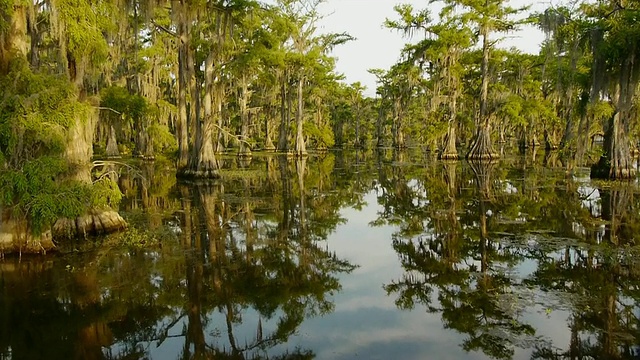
[(6, 9), (512, 110), (132, 108), (322, 136), (600, 110), (84, 22), (105, 193), (163, 140), (136, 239), (34, 192), (35, 113)]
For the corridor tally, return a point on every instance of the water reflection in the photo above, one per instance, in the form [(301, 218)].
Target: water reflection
[(247, 259), (455, 269), (515, 260), (511, 248)]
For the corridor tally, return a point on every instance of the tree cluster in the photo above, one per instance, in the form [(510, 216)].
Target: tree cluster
[(186, 79), (455, 87)]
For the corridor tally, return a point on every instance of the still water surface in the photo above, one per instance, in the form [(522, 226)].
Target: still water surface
[(342, 256)]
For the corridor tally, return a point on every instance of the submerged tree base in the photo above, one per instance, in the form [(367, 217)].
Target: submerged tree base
[(484, 156), (96, 222), (15, 238), (448, 156), (287, 153), (482, 148), (198, 174), (604, 170)]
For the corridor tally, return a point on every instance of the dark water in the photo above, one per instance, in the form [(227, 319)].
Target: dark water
[(369, 255)]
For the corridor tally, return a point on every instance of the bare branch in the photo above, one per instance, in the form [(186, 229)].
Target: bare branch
[(235, 137), (164, 29), (110, 109)]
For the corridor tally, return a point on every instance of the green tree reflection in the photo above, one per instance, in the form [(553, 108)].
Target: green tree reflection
[(452, 266), (598, 283), (463, 251), (247, 253)]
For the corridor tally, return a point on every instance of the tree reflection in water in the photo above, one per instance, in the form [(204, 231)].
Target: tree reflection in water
[(599, 283), (454, 268), (462, 250), (247, 253), (232, 269)]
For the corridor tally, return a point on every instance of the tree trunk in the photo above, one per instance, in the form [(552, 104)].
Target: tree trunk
[(220, 135), (284, 116), (550, 142), (112, 144), (16, 237), (78, 154), (523, 142), (396, 127), (245, 149), (149, 150), (597, 83), (380, 125), (301, 149), (181, 122), (357, 144), (568, 136), (449, 150), (616, 161), (195, 124), (338, 131), (533, 139), (482, 148), (35, 36), (204, 164), (268, 144), (14, 43), (144, 144), (79, 151)]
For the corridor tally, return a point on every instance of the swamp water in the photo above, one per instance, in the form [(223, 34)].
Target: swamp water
[(342, 256)]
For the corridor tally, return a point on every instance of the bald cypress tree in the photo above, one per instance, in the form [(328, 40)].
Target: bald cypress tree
[(488, 18), (439, 58), (48, 119), (79, 32), (616, 74)]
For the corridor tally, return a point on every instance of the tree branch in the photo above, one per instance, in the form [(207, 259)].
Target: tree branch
[(164, 29), (235, 137), (110, 109)]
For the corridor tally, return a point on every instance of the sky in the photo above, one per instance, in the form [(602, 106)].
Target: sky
[(378, 47)]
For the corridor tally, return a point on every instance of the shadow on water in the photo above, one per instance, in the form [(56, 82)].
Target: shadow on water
[(506, 256)]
